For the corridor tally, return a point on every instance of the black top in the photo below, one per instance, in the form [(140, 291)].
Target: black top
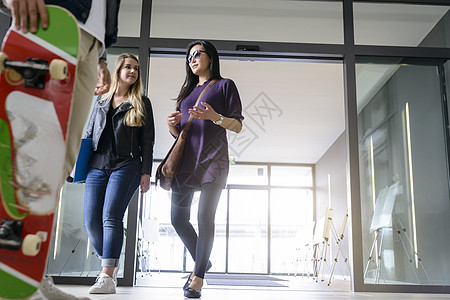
[(106, 156), (124, 142)]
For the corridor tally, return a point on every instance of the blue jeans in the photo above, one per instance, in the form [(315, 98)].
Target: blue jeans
[(106, 197)]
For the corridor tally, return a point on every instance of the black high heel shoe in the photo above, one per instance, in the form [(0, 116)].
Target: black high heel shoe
[(189, 280), (191, 293)]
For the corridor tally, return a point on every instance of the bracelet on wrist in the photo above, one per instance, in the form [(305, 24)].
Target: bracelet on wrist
[(219, 122)]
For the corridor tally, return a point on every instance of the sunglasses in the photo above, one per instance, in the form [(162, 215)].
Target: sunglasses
[(196, 54)]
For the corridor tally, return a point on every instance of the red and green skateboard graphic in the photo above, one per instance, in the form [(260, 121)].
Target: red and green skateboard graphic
[(37, 76)]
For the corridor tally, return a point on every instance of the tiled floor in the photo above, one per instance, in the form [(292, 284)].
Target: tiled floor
[(168, 286)]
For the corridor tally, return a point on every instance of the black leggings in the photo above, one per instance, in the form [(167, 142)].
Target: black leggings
[(199, 248)]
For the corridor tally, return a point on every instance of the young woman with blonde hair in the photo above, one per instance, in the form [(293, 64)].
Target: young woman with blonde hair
[(122, 131)]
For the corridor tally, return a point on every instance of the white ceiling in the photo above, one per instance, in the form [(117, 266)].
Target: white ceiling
[(305, 100)]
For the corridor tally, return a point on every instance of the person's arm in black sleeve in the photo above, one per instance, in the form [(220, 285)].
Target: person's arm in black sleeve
[(148, 138)]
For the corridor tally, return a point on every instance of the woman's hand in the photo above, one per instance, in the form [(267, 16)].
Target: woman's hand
[(145, 183), (207, 113), (174, 118)]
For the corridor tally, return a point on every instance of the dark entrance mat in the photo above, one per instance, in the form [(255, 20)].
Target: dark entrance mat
[(243, 280)]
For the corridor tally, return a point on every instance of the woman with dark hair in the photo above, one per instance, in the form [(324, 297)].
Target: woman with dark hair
[(122, 131), (205, 162)]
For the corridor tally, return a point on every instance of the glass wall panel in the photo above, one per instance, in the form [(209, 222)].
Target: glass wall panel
[(290, 176), (291, 224), (160, 246), (403, 154), (71, 254), (401, 25), (248, 175), (248, 244), (130, 18), (271, 21)]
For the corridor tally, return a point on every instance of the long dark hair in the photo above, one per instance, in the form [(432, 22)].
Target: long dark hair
[(191, 79)]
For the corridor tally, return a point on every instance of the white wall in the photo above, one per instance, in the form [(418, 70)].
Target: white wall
[(331, 192)]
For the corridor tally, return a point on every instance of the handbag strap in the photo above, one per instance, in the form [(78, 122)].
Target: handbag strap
[(189, 122)]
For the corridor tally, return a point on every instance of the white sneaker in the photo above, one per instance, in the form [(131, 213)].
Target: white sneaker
[(48, 290), (37, 296), (104, 284)]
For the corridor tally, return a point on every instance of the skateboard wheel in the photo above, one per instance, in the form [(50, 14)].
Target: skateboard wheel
[(3, 58), (58, 69), (31, 245)]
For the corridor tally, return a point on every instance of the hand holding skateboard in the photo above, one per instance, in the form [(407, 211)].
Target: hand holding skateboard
[(24, 10)]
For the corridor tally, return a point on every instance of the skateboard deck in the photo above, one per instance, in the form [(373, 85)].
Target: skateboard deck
[(36, 86)]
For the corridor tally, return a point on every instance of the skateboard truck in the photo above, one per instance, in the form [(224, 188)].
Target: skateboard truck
[(34, 70), (10, 232)]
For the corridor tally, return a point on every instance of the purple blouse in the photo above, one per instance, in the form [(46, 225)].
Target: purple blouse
[(205, 156)]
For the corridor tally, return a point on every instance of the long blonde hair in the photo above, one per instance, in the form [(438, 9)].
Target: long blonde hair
[(136, 115)]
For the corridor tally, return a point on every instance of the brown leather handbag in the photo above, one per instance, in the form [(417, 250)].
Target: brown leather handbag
[(168, 168)]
